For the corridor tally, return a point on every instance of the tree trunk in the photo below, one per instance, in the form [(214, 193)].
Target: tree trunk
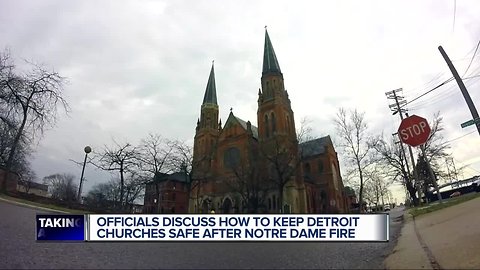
[(157, 195), (122, 188), (280, 198), (11, 155), (360, 192), (411, 189)]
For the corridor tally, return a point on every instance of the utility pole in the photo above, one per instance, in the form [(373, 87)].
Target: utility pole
[(465, 93), (403, 160), (399, 100), (451, 169)]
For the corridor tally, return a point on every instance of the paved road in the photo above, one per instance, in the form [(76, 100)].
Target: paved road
[(18, 250)]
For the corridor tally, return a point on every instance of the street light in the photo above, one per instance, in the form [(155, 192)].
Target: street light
[(87, 150)]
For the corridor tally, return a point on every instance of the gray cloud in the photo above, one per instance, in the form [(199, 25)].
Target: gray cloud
[(136, 67)]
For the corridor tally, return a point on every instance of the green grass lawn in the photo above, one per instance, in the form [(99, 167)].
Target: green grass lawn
[(49, 206), (424, 209)]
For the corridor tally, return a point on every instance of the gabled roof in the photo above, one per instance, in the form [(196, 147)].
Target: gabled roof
[(243, 124), (178, 177), (315, 147)]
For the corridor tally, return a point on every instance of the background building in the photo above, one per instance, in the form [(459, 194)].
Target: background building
[(33, 188), (167, 193)]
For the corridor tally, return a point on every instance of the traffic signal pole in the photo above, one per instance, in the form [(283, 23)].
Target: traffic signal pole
[(393, 95), (465, 93)]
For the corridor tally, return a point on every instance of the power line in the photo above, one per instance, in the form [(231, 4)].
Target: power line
[(454, 14), (436, 87), (454, 139), (471, 77), (451, 91), (473, 57)]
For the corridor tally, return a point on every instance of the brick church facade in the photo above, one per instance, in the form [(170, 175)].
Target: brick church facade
[(242, 168)]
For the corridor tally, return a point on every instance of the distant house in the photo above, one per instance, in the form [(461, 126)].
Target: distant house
[(351, 197), (167, 193), (136, 208), (32, 188)]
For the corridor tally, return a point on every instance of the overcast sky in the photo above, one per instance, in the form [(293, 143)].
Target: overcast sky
[(139, 67)]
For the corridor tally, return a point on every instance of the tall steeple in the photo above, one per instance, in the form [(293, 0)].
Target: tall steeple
[(209, 108), (275, 116), (207, 130), (270, 62), (211, 91)]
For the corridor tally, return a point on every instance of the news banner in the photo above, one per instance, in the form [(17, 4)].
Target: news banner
[(213, 227)]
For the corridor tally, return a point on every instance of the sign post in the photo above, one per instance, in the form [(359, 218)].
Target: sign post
[(470, 122), (415, 131)]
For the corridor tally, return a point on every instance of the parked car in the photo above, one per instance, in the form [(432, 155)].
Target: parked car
[(476, 186), (455, 194)]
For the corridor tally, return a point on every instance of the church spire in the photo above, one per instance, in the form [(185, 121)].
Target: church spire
[(270, 62), (211, 91)]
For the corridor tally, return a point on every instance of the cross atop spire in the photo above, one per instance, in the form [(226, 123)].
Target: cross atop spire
[(270, 62), (211, 91)]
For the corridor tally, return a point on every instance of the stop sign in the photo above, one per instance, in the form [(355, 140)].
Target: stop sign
[(414, 130)]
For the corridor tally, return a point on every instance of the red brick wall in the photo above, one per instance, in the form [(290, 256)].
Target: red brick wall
[(11, 183), (173, 198)]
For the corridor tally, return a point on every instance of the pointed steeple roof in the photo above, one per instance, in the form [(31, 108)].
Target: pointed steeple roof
[(211, 91), (270, 62)]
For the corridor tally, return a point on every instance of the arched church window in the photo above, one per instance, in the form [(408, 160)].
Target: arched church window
[(274, 125), (287, 123), (267, 131), (308, 170), (335, 176), (231, 158), (320, 167)]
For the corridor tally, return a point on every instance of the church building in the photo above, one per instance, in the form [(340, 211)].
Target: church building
[(243, 168)]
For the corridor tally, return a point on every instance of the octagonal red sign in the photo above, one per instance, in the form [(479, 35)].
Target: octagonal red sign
[(414, 130)]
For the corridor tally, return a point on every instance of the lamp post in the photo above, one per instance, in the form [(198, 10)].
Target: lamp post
[(87, 150)]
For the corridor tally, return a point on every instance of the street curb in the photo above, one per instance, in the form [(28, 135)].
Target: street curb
[(33, 206), (408, 252)]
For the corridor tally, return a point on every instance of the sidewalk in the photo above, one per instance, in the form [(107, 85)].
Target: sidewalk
[(7, 200), (447, 239)]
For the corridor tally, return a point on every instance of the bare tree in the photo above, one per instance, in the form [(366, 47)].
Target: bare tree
[(392, 158), (198, 170), (282, 165), (20, 163), (62, 187), (305, 132), (354, 140), (283, 158), (27, 178), (30, 99), (104, 196), (134, 186), (248, 182), (156, 156), (436, 147), (376, 185), (122, 158)]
